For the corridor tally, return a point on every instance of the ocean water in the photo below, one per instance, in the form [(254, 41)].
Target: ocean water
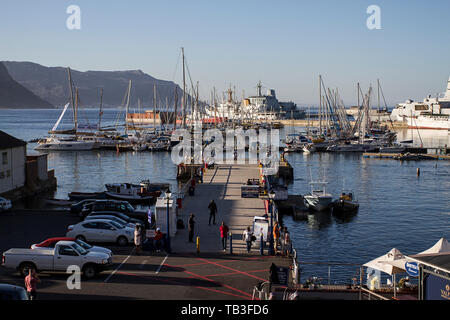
[(397, 208)]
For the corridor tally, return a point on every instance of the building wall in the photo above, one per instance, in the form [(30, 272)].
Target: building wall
[(12, 168)]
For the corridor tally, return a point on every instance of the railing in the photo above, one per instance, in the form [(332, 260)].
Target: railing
[(366, 294)]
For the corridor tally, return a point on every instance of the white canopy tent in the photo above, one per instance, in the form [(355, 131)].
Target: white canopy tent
[(442, 246), (385, 264)]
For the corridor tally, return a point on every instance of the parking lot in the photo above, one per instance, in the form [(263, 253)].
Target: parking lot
[(148, 276)]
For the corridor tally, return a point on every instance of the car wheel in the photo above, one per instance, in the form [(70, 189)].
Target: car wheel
[(81, 238), (25, 268), (122, 241), (89, 271)]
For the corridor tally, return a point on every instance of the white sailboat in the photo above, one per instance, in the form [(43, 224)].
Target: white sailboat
[(71, 143)]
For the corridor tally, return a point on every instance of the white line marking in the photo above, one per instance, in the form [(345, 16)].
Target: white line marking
[(125, 260), (162, 263)]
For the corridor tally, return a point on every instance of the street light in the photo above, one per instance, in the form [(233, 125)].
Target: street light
[(270, 207), (168, 195)]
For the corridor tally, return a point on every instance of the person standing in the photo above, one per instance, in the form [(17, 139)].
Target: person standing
[(276, 236), (223, 235), (247, 237), (287, 242), (191, 224), (138, 239), (31, 281), (212, 212)]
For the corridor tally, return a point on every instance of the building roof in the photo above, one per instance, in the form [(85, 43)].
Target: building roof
[(7, 141)]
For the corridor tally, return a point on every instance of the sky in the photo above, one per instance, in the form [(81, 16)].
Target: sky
[(285, 44)]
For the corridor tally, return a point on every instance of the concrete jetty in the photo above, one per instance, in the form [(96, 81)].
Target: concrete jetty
[(223, 185)]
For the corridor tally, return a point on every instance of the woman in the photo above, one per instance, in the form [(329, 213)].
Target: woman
[(138, 239), (247, 237), (31, 281)]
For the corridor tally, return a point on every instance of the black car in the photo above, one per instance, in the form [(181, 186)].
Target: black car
[(10, 292), (115, 206), (78, 206), (116, 214)]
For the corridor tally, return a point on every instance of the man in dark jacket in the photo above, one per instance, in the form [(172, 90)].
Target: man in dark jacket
[(191, 223), (212, 212)]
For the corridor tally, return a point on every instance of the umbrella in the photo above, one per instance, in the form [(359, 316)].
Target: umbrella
[(385, 262)]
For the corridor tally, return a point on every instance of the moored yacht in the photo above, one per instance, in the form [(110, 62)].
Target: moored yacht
[(54, 143), (318, 199)]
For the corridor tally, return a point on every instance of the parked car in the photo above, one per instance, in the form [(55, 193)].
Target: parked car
[(65, 254), (114, 216), (114, 205), (101, 230), (5, 204), (78, 206), (10, 292), (50, 244)]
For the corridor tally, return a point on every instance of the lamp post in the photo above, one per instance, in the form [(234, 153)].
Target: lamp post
[(168, 249), (270, 207)]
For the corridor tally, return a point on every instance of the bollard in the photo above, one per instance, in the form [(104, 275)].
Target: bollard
[(198, 245), (261, 245), (418, 171), (231, 243)]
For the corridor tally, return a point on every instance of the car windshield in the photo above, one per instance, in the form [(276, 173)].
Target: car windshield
[(83, 244), (79, 249), (117, 225)]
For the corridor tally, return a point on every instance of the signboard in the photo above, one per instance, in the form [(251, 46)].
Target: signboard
[(283, 275), (436, 288), (249, 191), (260, 227), (412, 268)]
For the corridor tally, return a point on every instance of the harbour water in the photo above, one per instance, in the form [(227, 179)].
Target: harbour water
[(397, 208)]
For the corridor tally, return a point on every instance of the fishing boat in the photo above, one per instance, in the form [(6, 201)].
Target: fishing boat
[(58, 202), (144, 191), (345, 204), (79, 196), (318, 199)]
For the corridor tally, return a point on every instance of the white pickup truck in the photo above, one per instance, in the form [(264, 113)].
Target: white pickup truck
[(65, 254)]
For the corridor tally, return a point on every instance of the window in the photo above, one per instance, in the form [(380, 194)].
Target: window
[(104, 226), (90, 225), (2, 175), (4, 158), (8, 173), (67, 251)]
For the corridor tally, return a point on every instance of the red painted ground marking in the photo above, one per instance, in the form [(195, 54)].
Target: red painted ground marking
[(198, 264), (182, 284), (241, 272), (233, 273), (225, 285)]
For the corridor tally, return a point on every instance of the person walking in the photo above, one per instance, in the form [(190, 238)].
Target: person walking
[(247, 237), (276, 237), (191, 224), (138, 239), (31, 281), (223, 235), (212, 212)]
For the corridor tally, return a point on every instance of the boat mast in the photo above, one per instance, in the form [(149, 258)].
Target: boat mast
[(100, 113), (320, 104), (154, 107), (72, 101), (175, 109), (184, 92), (127, 106)]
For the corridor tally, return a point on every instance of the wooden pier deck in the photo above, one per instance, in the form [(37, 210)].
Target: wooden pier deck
[(223, 185)]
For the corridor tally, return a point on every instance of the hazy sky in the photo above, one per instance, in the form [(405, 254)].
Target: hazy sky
[(285, 44)]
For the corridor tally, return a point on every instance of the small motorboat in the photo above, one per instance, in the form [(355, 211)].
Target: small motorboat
[(318, 199), (345, 204), (79, 196), (144, 191), (58, 202)]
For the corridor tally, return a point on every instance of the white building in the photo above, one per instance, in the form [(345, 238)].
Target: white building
[(13, 156)]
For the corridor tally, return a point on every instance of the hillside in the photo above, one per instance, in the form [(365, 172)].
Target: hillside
[(14, 95), (51, 84)]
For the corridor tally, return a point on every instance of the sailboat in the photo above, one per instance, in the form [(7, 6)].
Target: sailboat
[(71, 143)]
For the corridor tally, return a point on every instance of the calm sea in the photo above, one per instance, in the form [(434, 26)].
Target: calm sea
[(397, 208)]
